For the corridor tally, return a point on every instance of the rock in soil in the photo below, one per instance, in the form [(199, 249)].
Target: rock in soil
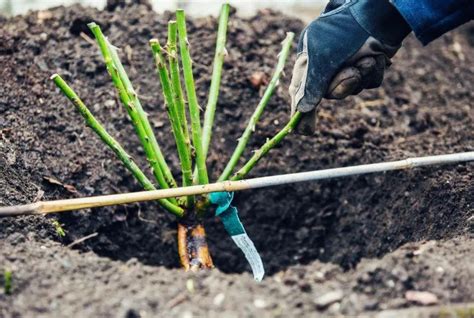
[(374, 237), (421, 297), (329, 298)]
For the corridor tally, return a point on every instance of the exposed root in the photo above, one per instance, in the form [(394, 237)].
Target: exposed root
[(192, 247), (182, 246)]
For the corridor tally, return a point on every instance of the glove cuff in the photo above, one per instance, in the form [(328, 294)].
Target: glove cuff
[(381, 20)]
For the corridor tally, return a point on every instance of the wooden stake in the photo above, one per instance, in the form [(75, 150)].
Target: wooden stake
[(230, 186)]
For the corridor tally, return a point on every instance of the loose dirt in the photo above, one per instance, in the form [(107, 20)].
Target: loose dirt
[(347, 246)]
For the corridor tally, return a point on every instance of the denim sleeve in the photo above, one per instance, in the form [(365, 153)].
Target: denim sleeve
[(429, 19)]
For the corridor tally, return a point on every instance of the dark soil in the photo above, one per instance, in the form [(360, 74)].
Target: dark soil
[(369, 238)]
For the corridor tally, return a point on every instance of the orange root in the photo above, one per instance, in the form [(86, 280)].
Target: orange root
[(192, 247), (201, 250), (182, 246)]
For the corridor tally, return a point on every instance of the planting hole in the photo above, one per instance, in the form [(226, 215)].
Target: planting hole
[(334, 221)]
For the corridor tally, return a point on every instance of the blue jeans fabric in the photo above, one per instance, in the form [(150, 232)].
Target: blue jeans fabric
[(429, 19)]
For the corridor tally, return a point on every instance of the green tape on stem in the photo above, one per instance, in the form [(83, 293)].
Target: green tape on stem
[(229, 216)]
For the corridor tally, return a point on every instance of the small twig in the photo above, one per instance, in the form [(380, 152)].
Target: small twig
[(180, 298), (87, 38), (139, 215), (243, 140), (82, 239)]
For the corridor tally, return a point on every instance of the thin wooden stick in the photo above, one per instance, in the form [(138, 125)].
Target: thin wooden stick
[(82, 239), (230, 186)]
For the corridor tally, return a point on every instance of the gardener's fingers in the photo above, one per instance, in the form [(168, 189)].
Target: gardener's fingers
[(307, 124), (373, 74), (365, 74), (298, 86), (306, 88), (346, 82), (299, 80)]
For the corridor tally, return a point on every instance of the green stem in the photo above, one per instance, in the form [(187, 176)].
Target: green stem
[(133, 106), (143, 117), (184, 154), (192, 98), (243, 140), (270, 144), (216, 78), (112, 143), (176, 80)]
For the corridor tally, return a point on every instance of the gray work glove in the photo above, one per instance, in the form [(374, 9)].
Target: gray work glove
[(342, 52)]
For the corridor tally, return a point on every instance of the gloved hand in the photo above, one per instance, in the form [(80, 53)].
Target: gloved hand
[(342, 52)]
